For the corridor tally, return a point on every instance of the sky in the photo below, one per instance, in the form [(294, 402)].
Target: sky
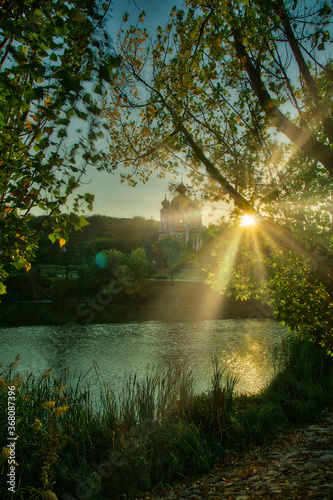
[(111, 196)]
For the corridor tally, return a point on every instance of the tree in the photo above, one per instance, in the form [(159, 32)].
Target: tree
[(168, 251), (56, 59), (127, 271), (138, 264), (226, 78)]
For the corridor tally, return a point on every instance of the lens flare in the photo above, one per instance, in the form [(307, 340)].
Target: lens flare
[(101, 260)]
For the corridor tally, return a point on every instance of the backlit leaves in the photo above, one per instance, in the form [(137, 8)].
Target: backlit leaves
[(219, 82), (52, 54)]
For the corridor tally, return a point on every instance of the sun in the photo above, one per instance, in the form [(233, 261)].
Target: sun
[(247, 220)]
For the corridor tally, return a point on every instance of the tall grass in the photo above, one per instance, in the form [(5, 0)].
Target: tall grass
[(155, 431)]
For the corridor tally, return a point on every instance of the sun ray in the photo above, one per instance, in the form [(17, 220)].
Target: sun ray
[(228, 261), (261, 268)]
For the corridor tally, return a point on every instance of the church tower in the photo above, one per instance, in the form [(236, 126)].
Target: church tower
[(182, 219)]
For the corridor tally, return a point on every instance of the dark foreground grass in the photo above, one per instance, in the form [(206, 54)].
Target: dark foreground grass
[(154, 433)]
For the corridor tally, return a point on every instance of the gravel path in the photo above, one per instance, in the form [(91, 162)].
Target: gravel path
[(297, 465)]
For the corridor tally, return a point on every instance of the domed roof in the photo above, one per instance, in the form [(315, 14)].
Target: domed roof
[(165, 203), (180, 201)]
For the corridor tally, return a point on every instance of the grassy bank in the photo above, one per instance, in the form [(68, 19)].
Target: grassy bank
[(155, 432)]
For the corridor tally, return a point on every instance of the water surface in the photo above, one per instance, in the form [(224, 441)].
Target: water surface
[(244, 346)]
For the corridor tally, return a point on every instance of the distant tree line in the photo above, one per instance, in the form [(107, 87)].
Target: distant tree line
[(100, 234), (104, 248)]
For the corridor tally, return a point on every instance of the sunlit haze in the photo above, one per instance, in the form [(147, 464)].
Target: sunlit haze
[(247, 220)]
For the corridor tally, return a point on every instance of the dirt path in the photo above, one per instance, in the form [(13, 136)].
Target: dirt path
[(298, 465)]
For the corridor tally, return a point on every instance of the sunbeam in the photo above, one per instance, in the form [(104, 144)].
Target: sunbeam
[(228, 261)]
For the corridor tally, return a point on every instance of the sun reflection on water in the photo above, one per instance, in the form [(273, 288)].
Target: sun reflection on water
[(244, 347)]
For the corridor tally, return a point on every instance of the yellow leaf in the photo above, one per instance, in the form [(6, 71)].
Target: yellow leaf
[(57, 412), (49, 404), (62, 242), (37, 424), (5, 452)]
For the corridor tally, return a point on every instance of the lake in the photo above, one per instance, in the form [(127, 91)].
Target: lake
[(245, 347)]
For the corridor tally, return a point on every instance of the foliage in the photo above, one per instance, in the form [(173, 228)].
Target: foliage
[(102, 233), (168, 252), (124, 272), (29, 286), (56, 58), (156, 431), (241, 93), (301, 301), (245, 266)]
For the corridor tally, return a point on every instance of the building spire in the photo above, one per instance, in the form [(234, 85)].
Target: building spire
[(165, 202)]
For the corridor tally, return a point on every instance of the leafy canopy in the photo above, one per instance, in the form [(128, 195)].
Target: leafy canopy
[(241, 93), (56, 58)]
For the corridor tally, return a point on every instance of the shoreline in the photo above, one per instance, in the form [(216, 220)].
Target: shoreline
[(49, 313)]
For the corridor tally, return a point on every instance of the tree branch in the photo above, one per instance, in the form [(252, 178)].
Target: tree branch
[(304, 140), (320, 261)]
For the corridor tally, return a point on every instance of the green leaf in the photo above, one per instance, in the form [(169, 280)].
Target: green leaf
[(62, 133), (53, 237), (70, 113), (12, 100), (83, 221), (95, 158), (81, 114), (25, 106), (61, 29), (98, 89), (87, 98)]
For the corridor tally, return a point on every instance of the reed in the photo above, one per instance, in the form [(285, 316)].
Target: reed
[(72, 445)]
